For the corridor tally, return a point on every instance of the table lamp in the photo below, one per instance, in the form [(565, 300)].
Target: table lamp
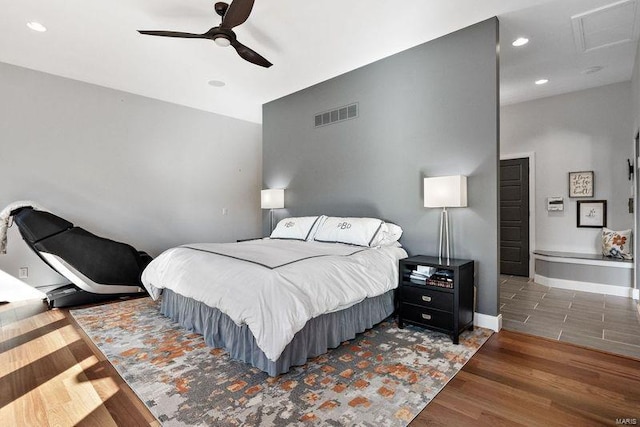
[(272, 198), (445, 192)]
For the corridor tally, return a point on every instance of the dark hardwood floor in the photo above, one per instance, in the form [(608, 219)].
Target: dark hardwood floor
[(51, 374), (519, 379)]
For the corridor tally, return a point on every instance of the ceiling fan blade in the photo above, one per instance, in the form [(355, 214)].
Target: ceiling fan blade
[(250, 55), (172, 34), (237, 12)]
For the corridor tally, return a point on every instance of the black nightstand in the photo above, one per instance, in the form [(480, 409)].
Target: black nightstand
[(435, 294)]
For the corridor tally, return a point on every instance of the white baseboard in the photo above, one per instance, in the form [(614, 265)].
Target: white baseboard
[(490, 322), (597, 288), (636, 294)]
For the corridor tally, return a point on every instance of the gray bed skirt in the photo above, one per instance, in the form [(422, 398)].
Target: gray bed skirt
[(317, 336)]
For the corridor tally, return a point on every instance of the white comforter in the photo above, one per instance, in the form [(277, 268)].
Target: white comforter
[(275, 286)]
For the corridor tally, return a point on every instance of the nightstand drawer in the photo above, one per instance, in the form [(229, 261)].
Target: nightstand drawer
[(427, 298), (435, 318)]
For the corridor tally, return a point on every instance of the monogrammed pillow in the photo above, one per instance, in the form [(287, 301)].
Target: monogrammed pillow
[(353, 231), (389, 234), (297, 228), (616, 244)]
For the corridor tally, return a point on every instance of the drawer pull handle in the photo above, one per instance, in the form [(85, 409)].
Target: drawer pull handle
[(426, 298), (426, 316)]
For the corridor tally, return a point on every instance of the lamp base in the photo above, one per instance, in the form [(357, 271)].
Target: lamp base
[(444, 230), (270, 221)]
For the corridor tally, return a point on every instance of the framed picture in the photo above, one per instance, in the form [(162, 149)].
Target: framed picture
[(592, 213), (581, 184)]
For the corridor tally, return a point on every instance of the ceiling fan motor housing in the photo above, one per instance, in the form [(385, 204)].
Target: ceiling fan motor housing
[(221, 8), (221, 36)]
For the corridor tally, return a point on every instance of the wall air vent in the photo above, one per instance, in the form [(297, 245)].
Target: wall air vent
[(336, 115)]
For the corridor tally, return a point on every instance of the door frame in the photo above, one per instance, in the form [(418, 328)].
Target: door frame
[(636, 215), (532, 202)]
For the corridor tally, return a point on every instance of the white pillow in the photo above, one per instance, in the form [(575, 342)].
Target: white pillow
[(389, 234), (314, 229), (297, 228), (353, 231)]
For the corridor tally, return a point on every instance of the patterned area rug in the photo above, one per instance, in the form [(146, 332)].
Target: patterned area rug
[(383, 377)]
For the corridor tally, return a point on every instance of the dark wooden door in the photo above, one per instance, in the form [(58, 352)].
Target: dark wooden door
[(514, 217)]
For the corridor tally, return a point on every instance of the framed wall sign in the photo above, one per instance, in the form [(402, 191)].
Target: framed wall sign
[(592, 213), (581, 184)]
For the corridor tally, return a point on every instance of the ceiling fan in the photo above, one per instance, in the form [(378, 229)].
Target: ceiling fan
[(232, 15)]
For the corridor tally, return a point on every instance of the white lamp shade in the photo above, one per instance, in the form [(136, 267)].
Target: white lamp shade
[(272, 198), (445, 192)]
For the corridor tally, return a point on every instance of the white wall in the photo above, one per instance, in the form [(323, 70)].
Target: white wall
[(585, 130), (129, 168), (635, 95), (635, 91)]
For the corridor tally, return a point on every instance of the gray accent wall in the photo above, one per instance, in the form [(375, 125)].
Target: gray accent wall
[(431, 110), (126, 167)]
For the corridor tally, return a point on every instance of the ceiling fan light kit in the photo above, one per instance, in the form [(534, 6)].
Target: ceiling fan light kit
[(222, 41), (233, 14)]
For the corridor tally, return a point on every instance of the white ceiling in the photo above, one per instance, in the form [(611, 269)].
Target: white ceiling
[(554, 53), (308, 42)]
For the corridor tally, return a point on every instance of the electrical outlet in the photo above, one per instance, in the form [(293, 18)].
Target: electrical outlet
[(225, 211), (23, 273)]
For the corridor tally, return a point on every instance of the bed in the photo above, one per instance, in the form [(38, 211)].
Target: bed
[(275, 302)]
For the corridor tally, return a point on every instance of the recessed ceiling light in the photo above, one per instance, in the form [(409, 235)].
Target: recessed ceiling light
[(520, 41), (216, 83), (542, 81), (592, 70), (36, 26)]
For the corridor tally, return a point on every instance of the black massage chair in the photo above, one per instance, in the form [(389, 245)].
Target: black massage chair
[(99, 269)]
